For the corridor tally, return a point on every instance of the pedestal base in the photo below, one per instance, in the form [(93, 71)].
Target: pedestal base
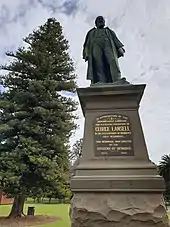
[(115, 185), (118, 210)]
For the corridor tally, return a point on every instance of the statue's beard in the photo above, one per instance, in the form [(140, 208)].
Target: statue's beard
[(100, 26)]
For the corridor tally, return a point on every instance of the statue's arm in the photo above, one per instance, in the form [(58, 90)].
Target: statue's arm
[(85, 54), (118, 43), (86, 46), (116, 40)]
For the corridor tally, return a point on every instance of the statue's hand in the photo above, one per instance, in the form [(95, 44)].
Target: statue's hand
[(85, 55), (121, 51), (86, 58)]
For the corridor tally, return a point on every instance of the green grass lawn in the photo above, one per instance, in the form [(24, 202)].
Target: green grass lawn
[(58, 210)]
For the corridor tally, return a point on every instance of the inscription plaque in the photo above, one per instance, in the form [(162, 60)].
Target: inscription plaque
[(113, 136)]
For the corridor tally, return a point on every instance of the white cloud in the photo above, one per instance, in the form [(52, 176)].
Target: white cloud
[(142, 25)]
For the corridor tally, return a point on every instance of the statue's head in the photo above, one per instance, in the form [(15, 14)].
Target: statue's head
[(100, 22)]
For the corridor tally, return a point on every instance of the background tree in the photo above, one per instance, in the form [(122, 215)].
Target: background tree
[(36, 120), (164, 171), (62, 195), (74, 156)]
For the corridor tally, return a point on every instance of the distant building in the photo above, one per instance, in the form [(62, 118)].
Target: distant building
[(5, 200)]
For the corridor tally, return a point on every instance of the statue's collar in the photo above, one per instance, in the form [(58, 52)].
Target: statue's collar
[(96, 28)]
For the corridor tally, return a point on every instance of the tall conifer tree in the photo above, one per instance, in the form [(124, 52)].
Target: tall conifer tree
[(36, 120)]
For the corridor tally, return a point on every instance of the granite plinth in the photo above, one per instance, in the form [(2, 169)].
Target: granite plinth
[(116, 184), (118, 210)]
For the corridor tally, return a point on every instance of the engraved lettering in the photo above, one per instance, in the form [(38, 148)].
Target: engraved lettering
[(113, 136)]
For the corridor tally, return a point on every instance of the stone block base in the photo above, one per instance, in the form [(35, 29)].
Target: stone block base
[(118, 210)]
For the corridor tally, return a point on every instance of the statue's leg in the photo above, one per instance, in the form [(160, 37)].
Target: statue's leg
[(98, 63), (113, 64)]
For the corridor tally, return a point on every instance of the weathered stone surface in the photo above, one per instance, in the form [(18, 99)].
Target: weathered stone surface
[(118, 210), (115, 190)]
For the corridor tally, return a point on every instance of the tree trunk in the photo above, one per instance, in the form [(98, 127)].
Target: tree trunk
[(38, 200), (17, 207)]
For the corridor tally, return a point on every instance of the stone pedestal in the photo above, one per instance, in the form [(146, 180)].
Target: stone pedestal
[(116, 185)]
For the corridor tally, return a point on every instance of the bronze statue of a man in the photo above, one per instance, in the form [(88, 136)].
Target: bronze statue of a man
[(102, 49)]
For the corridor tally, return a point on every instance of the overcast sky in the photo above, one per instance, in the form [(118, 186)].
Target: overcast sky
[(142, 25)]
